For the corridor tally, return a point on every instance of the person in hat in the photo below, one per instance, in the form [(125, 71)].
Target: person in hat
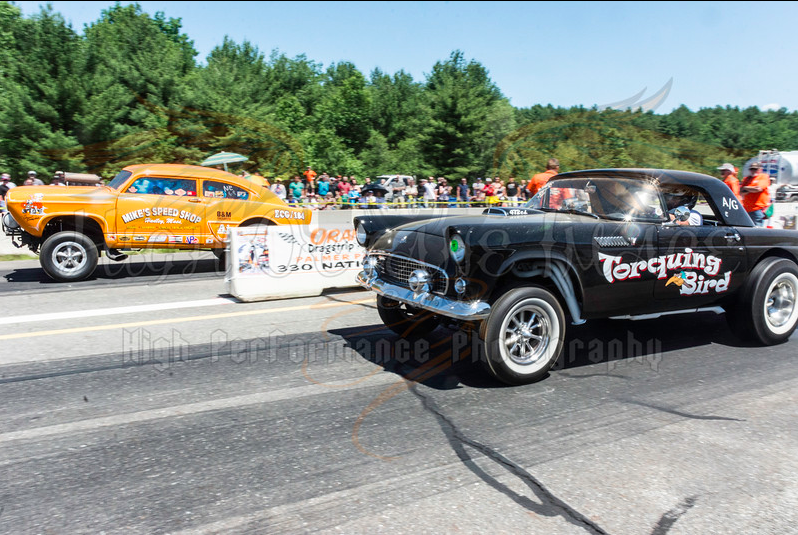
[(5, 185), (36, 181), (488, 190), (58, 179), (5, 180), (756, 198), (728, 173)]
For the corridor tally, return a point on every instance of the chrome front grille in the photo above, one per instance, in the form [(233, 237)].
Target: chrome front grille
[(397, 269)]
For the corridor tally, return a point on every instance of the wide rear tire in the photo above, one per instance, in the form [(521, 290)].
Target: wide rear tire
[(68, 256), (766, 311), (523, 336)]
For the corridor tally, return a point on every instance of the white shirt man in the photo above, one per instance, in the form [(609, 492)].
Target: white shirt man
[(279, 190), (429, 192), (36, 181)]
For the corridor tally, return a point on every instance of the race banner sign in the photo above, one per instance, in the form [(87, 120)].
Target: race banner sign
[(269, 262)]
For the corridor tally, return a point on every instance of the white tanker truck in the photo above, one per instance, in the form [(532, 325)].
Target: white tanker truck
[(783, 170)]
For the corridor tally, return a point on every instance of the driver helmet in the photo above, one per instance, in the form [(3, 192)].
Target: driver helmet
[(680, 197)]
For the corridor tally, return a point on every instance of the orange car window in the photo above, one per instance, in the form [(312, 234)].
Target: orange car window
[(180, 187), (223, 190)]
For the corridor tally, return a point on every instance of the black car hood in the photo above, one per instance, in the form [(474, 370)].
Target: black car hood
[(426, 239), (437, 227)]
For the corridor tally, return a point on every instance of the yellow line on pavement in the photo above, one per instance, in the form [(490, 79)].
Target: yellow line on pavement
[(181, 320)]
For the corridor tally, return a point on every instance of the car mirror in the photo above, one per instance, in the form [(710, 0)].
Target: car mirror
[(681, 213)]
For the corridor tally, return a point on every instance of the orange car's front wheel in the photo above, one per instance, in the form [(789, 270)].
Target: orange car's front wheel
[(68, 256)]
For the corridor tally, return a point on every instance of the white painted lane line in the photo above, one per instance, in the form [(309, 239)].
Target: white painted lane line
[(116, 310), (162, 321)]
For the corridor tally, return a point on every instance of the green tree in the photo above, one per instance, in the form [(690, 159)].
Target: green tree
[(135, 66), (461, 102), (345, 106), (396, 106), (40, 90)]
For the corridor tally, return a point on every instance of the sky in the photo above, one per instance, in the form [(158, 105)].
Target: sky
[(560, 53)]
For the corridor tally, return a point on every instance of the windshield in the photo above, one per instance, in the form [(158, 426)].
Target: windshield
[(119, 179), (605, 197)]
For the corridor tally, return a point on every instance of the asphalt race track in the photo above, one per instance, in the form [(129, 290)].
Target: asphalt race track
[(147, 401)]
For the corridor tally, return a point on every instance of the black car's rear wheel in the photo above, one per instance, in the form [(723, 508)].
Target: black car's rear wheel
[(68, 256), (406, 320), (523, 335), (767, 308)]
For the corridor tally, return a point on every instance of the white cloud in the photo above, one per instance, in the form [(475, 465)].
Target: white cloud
[(773, 106)]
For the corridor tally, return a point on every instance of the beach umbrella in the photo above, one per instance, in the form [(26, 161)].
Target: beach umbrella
[(378, 189), (223, 158)]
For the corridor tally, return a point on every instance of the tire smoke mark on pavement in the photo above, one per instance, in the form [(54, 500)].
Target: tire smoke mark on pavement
[(363, 304), (549, 505), (199, 352), (680, 413), (590, 375), (429, 369), (667, 520)]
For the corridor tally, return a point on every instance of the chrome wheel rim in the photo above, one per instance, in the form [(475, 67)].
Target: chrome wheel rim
[(780, 306), (69, 257), (525, 334)]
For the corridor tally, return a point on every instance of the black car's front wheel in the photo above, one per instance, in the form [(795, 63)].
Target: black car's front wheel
[(406, 320), (523, 335), (68, 256)]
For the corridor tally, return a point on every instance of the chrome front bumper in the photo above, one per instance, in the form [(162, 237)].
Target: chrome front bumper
[(461, 310)]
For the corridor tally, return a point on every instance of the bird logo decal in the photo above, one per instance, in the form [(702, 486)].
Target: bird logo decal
[(678, 280)]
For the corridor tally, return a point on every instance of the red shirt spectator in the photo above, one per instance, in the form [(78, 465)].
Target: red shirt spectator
[(540, 179), (729, 175), (309, 175), (344, 186)]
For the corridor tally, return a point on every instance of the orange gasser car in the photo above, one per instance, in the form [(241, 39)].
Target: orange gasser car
[(145, 206)]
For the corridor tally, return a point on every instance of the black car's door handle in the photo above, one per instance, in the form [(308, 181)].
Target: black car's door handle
[(730, 237)]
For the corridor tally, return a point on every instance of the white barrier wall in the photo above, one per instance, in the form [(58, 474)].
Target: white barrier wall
[(276, 262)]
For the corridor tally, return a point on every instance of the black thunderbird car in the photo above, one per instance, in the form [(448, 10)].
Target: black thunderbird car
[(591, 244)]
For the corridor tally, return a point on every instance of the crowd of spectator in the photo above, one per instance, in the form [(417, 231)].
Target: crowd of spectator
[(326, 192)]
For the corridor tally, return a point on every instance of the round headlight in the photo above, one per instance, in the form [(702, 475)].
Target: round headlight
[(9, 221), (361, 235), (457, 248)]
